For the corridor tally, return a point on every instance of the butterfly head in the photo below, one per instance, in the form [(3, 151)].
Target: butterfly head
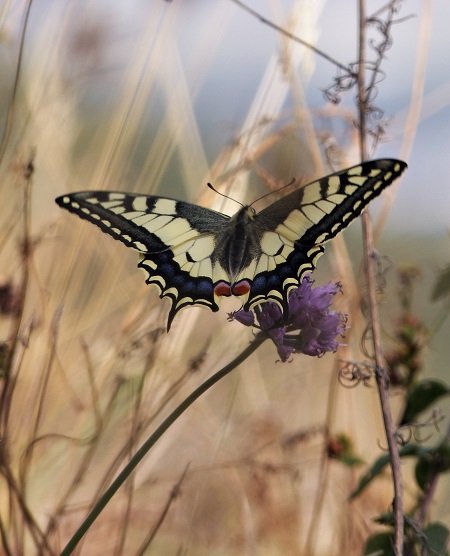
[(243, 217)]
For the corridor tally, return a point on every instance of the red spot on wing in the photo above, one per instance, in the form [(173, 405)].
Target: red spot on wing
[(241, 288), (222, 289)]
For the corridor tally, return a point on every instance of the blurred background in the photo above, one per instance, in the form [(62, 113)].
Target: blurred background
[(162, 97)]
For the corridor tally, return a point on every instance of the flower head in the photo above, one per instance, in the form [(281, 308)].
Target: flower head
[(309, 327)]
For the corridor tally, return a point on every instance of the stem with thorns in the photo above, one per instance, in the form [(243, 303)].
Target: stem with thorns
[(381, 374)]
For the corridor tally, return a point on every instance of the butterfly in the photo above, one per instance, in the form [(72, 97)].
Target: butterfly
[(195, 255)]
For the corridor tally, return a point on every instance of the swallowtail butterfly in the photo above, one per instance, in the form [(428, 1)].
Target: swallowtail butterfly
[(194, 254)]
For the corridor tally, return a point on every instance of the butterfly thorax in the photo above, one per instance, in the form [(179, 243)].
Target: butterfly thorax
[(238, 244)]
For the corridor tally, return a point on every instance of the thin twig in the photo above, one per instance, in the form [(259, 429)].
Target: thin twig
[(291, 36), (381, 375), (383, 384), (175, 492), (15, 492)]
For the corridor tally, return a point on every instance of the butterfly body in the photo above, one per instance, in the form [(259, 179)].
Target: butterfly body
[(195, 255)]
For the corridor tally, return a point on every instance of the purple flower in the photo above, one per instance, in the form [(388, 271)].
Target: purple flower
[(244, 317), (309, 327)]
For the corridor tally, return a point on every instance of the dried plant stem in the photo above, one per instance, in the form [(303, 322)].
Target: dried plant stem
[(9, 380), (383, 385), (12, 100), (16, 497), (173, 495), (381, 374), (153, 438)]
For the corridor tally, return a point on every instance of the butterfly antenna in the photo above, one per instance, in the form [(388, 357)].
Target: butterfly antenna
[(275, 191), (223, 195)]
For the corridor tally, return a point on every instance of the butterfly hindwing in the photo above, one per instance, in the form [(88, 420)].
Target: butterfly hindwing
[(194, 254)]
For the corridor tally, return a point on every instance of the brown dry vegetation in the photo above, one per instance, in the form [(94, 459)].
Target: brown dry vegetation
[(93, 370)]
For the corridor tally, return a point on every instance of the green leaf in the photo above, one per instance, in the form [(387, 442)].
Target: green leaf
[(431, 463), (379, 465), (421, 396), (386, 518), (434, 539), (380, 544), (351, 460), (438, 537), (442, 286)]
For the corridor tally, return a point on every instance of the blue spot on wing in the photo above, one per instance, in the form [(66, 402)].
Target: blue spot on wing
[(182, 288), (282, 278)]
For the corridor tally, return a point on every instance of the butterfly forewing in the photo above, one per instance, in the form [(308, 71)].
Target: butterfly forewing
[(194, 254), (293, 229), (176, 238)]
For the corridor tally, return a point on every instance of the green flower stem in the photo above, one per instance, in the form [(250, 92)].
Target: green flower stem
[(149, 443)]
